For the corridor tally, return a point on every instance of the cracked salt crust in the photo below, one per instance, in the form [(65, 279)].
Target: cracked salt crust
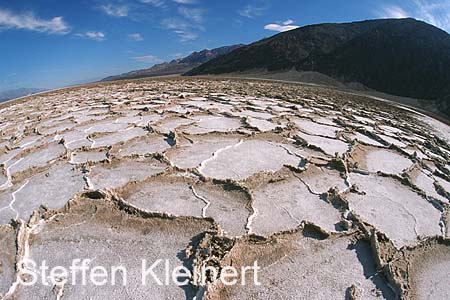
[(28, 142), (261, 125), (7, 258), (427, 184), (254, 114), (3, 179), (443, 183), (415, 152), (285, 204), (168, 125), (192, 155), (374, 160), (364, 139), (314, 128), (105, 126), (39, 158), (57, 128), (119, 173), (229, 206), (299, 266), (246, 158), (148, 144), (171, 195), (207, 124), (321, 180), (117, 137), (394, 208), (197, 164), (75, 139), (52, 189), (115, 234), (429, 272), (327, 145), (393, 140), (82, 157)]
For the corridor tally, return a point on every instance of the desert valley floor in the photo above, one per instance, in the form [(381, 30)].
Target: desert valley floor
[(336, 196)]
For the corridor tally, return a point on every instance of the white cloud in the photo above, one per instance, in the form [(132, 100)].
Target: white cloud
[(137, 37), (174, 24), (252, 11), (115, 10), (393, 11), (194, 14), (156, 3), (148, 59), (434, 12), (282, 26), (189, 22), (186, 36), (28, 21), (185, 30), (185, 1), (92, 35)]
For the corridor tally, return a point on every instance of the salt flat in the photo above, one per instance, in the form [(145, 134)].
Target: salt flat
[(334, 194)]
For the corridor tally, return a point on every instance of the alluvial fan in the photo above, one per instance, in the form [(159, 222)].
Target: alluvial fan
[(335, 195)]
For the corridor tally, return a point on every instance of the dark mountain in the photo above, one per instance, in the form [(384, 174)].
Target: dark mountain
[(177, 66), (403, 57), (17, 93)]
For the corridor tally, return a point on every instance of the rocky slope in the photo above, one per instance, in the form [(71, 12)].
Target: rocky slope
[(403, 57)]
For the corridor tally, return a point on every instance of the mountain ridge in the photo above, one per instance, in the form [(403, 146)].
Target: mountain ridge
[(176, 66), (17, 93), (402, 57)]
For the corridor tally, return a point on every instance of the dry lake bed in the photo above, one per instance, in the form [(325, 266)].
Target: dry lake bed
[(336, 196)]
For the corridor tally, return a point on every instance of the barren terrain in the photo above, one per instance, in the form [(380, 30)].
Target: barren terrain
[(336, 196)]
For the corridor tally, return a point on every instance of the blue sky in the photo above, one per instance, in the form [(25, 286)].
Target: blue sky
[(53, 43)]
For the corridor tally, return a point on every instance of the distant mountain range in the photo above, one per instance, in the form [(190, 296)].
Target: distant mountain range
[(17, 93), (177, 66), (403, 57)]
